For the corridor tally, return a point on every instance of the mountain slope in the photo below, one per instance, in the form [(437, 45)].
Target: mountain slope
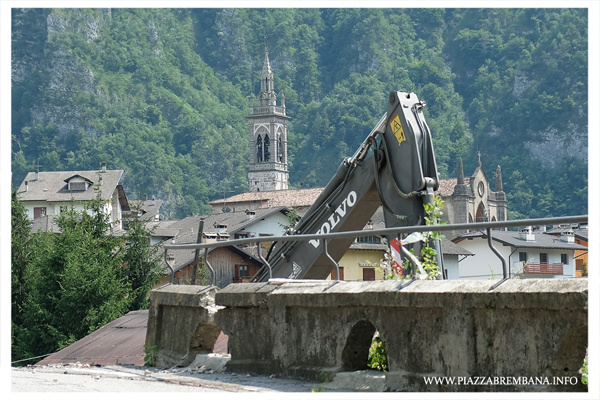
[(162, 94)]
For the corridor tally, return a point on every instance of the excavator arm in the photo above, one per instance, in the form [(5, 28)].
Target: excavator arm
[(400, 174)]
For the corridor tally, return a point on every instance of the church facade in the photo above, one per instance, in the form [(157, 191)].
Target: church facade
[(267, 123), (471, 199)]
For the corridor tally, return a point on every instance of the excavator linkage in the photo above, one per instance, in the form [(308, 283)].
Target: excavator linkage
[(401, 175)]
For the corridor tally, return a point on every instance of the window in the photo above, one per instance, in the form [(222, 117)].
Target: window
[(267, 156), (76, 185), (259, 147), (280, 150), (242, 271), (543, 258), (368, 239), (563, 259), (368, 274), (341, 274), (39, 212), (522, 256)]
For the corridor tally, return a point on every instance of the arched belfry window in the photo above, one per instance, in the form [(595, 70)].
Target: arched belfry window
[(267, 154), (280, 150), (259, 149)]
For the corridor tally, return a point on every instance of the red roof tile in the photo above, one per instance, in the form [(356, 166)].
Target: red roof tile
[(277, 198), (306, 197), (447, 186)]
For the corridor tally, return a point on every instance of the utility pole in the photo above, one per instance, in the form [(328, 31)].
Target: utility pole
[(197, 254)]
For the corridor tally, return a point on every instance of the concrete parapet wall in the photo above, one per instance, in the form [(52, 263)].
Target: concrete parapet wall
[(524, 328), (181, 323)]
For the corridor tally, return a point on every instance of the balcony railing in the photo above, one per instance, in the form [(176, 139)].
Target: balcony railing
[(267, 110), (552, 269)]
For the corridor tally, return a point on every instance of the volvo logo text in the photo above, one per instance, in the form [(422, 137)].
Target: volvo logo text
[(335, 217)]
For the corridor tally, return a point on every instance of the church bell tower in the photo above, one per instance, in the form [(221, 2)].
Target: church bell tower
[(268, 137)]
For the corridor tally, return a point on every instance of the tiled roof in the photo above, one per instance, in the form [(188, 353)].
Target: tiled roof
[(447, 186), (306, 197), (186, 231), (276, 198), (511, 238), (449, 247), (149, 208), (235, 221), (369, 246), (579, 233), (162, 228), (51, 186)]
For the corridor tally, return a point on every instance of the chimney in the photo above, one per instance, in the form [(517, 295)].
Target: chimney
[(145, 196), (250, 215), (541, 228), (37, 174), (153, 199), (567, 236), (527, 235), (103, 166), (220, 228), (100, 180), (26, 186)]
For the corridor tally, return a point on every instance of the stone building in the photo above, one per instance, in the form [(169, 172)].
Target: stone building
[(471, 199), (267, 124)]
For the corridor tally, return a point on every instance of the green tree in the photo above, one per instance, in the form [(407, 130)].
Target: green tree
[(142, 262), (77, 282), (21, 254)]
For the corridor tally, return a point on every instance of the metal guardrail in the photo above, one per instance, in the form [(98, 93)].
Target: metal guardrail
[(477, 226)]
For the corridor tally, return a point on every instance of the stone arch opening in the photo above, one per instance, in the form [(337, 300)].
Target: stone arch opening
[(259, 149), (355, 355), (266, 145), (481, 215)]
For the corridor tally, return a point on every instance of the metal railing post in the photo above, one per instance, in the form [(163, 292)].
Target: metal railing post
[(212, 271), (265, 261), (337, 266), (497, 253)]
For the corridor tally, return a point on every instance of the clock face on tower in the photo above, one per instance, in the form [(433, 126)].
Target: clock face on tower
[(480, 189)]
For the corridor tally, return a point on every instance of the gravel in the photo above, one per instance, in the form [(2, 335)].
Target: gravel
[(129, 378)]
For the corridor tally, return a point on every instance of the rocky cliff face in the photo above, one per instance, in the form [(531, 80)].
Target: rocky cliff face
[(67, 75)]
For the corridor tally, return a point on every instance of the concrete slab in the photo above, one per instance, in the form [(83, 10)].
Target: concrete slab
[(358, 381), (213, 361)]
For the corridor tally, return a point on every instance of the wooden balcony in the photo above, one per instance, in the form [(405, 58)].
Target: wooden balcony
[(552, 269)]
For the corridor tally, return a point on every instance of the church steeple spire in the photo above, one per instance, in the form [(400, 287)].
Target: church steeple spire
[(460, 176), (498, 179), (268, 136), (267, 94)]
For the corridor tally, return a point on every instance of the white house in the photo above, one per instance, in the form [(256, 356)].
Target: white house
[(48, 193), (528, 254)]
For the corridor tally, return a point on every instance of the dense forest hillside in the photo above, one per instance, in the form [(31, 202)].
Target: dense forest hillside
[(163, 94)]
